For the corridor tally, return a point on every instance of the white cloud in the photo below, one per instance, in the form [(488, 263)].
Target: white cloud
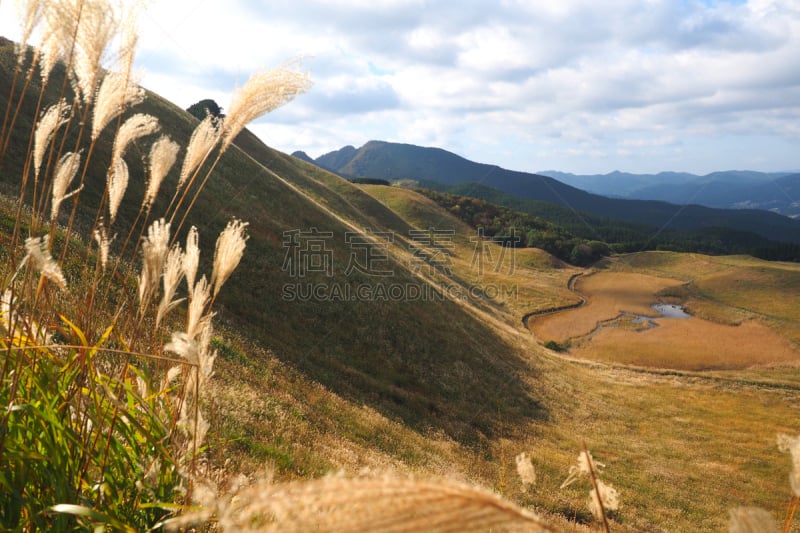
[(577, 85)]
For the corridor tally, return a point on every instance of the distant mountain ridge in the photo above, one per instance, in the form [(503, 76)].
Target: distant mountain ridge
[(441, 169), (771, 191)]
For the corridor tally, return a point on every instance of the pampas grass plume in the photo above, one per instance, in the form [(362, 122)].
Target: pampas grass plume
[(53, 118), (117, 185), (38, 255), (263, 92), (173, 274), (788, 444), (30, 13), (606, 494), (137, 126), (98, 25), (388, 504), (154, 252), (191, 259), (115, 93), (163, 155), (584, 467), (202, 141), (199, 295), (65, 172), (103, 244), (228, 253), (525, 470)]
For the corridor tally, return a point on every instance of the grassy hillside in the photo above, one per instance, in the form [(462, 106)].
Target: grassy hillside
[(347, 367)]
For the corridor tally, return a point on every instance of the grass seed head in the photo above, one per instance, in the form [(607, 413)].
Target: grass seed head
[(154, 252), (788, 444), (202, 141), (117, 91), (585, 465), (525, 470), (606, 494), (137, 126), (198, 300), (263, 92), (228, 252), (117, 185), (163, 155), (30, 15), (173, 274), (103, 244), (66, 169), (98, 25), (337, 504), (53, 118), (191, 259), (38, 255)]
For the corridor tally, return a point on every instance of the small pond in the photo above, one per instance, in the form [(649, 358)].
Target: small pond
[(671, 311)]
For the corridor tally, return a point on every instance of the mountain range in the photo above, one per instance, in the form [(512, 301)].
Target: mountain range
[(773, 191), (442, 170)]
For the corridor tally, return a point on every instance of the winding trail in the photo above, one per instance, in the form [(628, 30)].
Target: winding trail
[(550, 310)]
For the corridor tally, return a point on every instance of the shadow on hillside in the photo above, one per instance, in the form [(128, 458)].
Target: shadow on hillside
[(427, 364)]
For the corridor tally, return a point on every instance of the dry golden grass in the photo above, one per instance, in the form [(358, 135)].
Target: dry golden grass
[(520, 280), (692, 344)]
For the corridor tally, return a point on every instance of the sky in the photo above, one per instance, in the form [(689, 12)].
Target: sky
[(582, 86)]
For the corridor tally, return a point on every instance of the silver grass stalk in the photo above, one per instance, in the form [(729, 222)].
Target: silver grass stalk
[(586, 464), (154, 252), (60, 26), (751, 520), (525, 470), (98, 25), (387, 505), (38, 255), (117, 185), (116, 92), (173, 274), (66, 169), (130, 37), (199, 296), (191, 259), (103, 244), (183, 345), (202, 141), (51, 48), (30, 13), (191, 420), (137, 126), (604, 498), (788, 444), (163, 155), (53, 118), (229, 250), (205, 355), (263, 92)]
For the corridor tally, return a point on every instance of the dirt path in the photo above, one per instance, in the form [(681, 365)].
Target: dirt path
[(551, 310)]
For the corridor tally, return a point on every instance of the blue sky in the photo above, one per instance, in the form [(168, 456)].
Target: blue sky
[(584, 86)]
